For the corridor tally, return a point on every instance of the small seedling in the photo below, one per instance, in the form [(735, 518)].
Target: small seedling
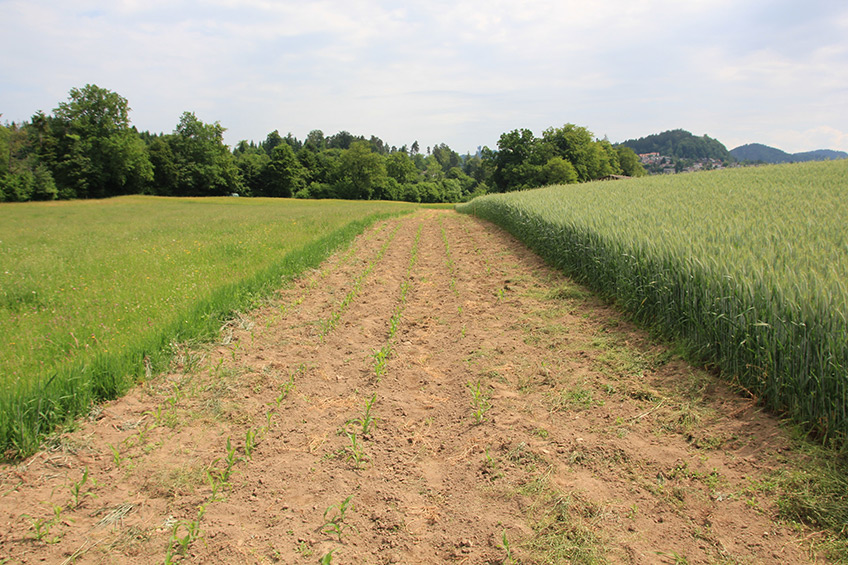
[(181, 542), (367, 421), (230, 460), (380, 358), (41, 526), (249, 442), (334, 518), (116, 455), (505, 541), (490, 461), (174, 398), (285, 389), (77, 494), (479, 401), (327, 558), (354, 451), (157, 414), (215, 483), (141, 436)]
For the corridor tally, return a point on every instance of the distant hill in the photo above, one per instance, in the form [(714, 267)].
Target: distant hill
[(820, 155), (766, 154), (760, 152), (680, 144)]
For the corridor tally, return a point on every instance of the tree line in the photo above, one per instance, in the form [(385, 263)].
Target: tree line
[(87, 148)]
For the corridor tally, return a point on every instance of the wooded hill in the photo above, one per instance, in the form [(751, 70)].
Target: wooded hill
[(759, 153), (680, 144)]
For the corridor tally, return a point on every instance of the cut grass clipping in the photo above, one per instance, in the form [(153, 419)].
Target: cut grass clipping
[(94, 292)]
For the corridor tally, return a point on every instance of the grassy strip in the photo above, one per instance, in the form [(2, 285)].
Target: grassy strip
[(28, 414)]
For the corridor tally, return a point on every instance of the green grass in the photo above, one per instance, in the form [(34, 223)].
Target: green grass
[(746, 268), (94, 292)]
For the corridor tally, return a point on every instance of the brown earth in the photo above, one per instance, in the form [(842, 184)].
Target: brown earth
[(594, 443)]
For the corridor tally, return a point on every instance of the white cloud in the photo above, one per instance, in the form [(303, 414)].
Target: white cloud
[(443, 71)]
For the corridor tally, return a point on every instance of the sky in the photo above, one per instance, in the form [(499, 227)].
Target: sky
[(456, 72)]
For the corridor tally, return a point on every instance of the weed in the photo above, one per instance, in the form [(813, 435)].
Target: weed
[(566, 529), (675, 557), (578, 398), (327, 558), (334, 518), (303, 549), (490, 461), (816, 496)]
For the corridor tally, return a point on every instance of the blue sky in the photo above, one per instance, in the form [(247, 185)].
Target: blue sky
[(455, 72)]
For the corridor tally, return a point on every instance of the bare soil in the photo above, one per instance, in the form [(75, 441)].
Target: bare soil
[(516, 419)]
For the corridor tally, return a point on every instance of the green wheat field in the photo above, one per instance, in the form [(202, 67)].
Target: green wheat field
[(747, 268)]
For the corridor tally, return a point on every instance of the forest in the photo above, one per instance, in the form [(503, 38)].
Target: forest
[(88, 148)]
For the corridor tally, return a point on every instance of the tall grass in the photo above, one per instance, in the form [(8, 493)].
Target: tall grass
[(747, 267), (92, 292)]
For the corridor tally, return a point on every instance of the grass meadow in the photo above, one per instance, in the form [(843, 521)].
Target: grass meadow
[(747, 268), (92, 293)]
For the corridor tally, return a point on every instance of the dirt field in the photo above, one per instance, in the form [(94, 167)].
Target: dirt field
[(513, 418)]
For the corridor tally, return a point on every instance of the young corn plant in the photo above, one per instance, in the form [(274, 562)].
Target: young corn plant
[(78, 494), (505, 546), (354, 451), (285, 389), (479, 401), (41, 526), (365, 424), (183, 534), (250, 441), (219, 478), (117, 459), (380, 358), (334, 518)]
